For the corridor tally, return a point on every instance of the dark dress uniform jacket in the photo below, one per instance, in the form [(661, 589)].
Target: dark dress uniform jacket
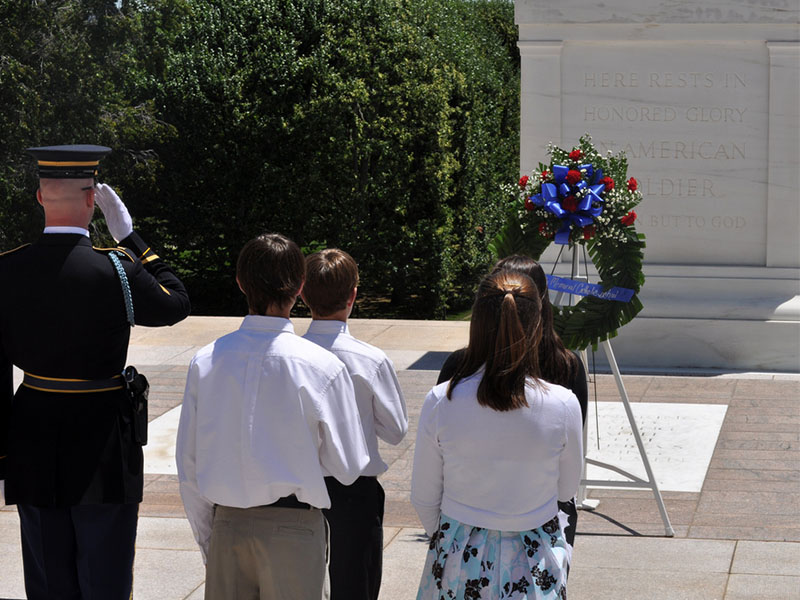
[(62, 315)]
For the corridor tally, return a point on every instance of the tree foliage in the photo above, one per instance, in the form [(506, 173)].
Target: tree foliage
[(63, 69), (384, 127)]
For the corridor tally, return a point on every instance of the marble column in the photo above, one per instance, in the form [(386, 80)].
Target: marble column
[(783, 192), (540, 98)]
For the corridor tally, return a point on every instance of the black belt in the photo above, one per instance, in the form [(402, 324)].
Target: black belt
[(290, 502), (72, 386)]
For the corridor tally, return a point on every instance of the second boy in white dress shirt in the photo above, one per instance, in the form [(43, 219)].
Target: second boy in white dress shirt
[(356, 513)]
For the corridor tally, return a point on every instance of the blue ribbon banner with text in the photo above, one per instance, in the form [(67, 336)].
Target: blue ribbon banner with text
[(582, 288)]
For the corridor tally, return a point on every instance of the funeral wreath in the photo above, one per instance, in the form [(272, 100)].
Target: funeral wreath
[(582, 198)]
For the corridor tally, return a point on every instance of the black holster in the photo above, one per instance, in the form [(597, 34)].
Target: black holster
[(138, 389)]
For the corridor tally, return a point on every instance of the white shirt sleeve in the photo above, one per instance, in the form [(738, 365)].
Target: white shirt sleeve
[(427, 475), (199, 510), (388, 405), (343, 449), (570, 464)]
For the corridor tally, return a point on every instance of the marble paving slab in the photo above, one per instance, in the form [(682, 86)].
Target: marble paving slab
[(159, 454), (679, 440)]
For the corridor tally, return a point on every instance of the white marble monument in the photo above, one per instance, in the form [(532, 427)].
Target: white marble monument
[(704, 97)]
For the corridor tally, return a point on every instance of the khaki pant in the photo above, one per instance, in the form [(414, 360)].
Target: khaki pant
[(267, 553)]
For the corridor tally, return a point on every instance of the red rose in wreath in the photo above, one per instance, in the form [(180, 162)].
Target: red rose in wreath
[(575, 154), (570, 203), (523, 181), (633, 185), (543, 230), (589, 231), (545, 174), (608, 182), (572, 177), (529, 205), (629, 218)]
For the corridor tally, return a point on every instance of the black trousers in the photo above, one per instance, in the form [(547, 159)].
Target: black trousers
[(80, 552), (356, 528)]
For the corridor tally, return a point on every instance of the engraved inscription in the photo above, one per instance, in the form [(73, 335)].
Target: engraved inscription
[(689, 149), (633, 113), (730, 222), (681, 80), (669, 79), (692, 187), (692, 118), (607, 80), (715, 114), (630, 113), (719, 119)]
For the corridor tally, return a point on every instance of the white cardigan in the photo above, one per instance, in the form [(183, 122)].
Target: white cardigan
[(499, 470)]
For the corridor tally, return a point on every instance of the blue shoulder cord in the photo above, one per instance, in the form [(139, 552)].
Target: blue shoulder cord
[(126, 288)]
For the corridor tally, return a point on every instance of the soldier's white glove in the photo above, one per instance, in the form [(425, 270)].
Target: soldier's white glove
[(118, 219)]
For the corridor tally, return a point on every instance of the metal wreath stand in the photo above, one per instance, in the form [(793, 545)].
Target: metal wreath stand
[(634, 481)]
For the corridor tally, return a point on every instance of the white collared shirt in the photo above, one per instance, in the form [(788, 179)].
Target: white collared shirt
[(66, 229), (265, 414), (497, 470), (381, 405)]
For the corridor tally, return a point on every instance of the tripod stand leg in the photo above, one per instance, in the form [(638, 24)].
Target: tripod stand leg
[(582, 502), (626, 403)]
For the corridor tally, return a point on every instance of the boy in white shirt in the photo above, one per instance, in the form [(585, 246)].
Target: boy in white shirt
[(266, 414), (356, 513)]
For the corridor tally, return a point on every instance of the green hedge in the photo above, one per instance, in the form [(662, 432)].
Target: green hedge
[(382, 127)]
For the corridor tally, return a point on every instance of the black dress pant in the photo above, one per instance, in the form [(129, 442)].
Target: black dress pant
[(356, 528), (80, 552)]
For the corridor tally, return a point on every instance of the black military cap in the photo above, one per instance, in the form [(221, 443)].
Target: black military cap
[(68, 162)]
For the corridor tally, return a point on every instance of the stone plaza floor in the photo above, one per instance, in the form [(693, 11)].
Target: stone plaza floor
[(724, 447)]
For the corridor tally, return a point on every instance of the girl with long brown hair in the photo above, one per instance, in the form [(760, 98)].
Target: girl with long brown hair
[(557, 364), (496, 448)]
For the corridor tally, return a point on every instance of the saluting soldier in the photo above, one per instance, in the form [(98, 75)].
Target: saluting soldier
[(68, 453)]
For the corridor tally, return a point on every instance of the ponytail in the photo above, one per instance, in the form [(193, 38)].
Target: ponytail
[(510, 344), (556, 363)]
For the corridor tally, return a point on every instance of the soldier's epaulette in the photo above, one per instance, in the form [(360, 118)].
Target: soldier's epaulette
[(10, 252), (128, 254)]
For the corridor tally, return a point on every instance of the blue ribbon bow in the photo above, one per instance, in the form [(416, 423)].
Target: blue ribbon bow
[(553, 193)]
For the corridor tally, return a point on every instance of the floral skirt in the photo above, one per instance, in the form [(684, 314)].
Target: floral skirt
[(471, 563)]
